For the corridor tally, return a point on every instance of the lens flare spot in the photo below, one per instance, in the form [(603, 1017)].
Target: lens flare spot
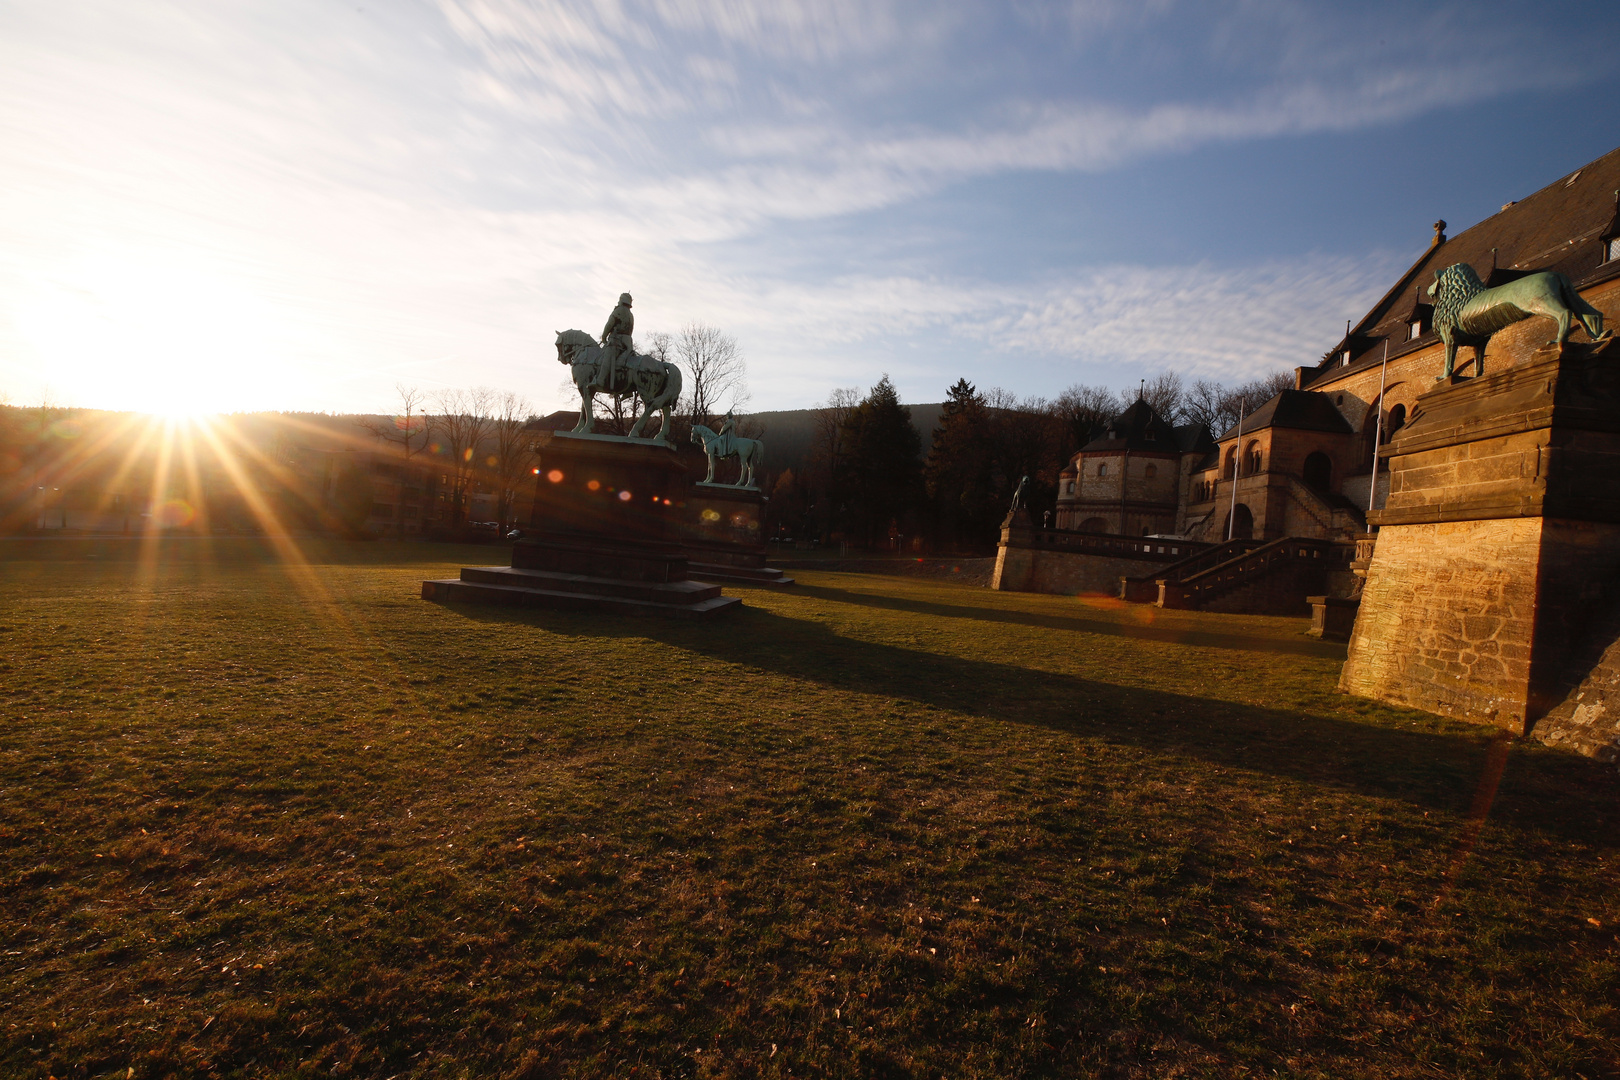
[(466, 455), (711, 516), (555, 475), (594, 485), (176, 514), (624, 496)]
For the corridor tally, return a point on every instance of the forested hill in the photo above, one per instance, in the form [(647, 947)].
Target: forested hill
[(789, 434)]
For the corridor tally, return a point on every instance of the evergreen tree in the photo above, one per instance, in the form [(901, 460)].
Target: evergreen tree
[(877, 474), (958, 474)]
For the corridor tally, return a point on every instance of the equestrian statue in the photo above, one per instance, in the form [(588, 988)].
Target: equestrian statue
[(1467, 313), (726, 443), (609, 366)]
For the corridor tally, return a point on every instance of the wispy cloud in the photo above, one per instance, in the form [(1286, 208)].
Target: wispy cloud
[(331, 198)]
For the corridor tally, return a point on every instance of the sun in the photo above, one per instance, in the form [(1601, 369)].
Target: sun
[(165, 337)]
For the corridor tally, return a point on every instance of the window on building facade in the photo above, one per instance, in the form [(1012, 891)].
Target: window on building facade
[(1102, 469), (1069, 488), (1344, 358), (1151, 471), (1414, 330), (1611, 250)]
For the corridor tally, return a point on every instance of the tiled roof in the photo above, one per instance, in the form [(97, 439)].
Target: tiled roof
[(1561, 227), (1302, 410)]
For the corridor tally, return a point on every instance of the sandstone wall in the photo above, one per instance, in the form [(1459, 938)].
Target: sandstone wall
[(1447, 619)]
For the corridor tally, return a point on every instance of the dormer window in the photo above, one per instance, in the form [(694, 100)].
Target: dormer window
[(1611, 249), (1414, 329), (1344, 358)]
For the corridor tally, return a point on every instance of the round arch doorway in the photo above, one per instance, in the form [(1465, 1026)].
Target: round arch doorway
[(1240, 524)]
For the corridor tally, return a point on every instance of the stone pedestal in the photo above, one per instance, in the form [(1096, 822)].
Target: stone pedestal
[(604, 535), (1499, 548), (1332, 617), (723, 532), (1015, 559)]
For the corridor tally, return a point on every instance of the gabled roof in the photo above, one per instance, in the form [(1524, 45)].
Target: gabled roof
[(1561, 227), (1302, 410), (1137, 428)]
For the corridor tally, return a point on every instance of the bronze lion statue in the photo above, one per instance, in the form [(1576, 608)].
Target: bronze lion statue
[(1467, 313)]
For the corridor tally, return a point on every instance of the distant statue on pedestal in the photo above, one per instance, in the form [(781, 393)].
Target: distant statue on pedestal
[(726, 443)]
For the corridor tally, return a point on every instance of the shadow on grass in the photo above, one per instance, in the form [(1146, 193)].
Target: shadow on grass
[(1172, 635), (1563, 794)]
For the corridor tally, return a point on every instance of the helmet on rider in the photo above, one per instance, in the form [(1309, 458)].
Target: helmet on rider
[(624, 298)]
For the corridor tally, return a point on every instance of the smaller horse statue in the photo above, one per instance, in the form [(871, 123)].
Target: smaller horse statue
[(723, 444), (1467, 313), (655, 383)]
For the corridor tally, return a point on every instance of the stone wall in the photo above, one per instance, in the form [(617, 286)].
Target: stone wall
[(1447, 619), (1066, 573)]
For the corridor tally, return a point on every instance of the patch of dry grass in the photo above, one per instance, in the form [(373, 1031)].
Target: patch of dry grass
[(264, 821)]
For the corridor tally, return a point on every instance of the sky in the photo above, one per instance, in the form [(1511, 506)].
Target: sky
[(250, 205)]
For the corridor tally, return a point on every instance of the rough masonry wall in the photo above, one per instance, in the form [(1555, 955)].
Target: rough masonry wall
[(1447, 619)]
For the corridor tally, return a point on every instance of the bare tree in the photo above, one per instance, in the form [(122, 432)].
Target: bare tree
[(408, 430), (514, 450), (1217, 407), (717, 371), (1084, 410), (1164, 392), (461, 422)]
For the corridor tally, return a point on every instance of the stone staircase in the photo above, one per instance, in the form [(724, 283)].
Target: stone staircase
[(1270, 579), (1334, 514), (1144, 588)]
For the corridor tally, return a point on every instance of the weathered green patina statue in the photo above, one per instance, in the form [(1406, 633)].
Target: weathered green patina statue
[(1467, 313), (655, 383), (725, 443)]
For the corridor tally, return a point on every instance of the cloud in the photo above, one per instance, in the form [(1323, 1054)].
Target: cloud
[(428, 195)]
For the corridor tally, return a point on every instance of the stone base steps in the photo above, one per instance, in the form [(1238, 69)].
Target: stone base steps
[(768, 576), (517, 587)]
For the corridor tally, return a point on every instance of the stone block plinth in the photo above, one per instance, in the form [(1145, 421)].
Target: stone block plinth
[(723, 533), (1499, 545), (605, 535)]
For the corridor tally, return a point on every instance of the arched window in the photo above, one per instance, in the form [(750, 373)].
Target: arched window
[(1068, 488), (1102, 468), (1396, 421), (1319, 471), (1230, 470), (1252, 460), (1094, 525), (1151, 471)]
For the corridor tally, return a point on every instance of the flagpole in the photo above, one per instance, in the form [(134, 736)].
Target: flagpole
[(1237, 467), (1378, 429)]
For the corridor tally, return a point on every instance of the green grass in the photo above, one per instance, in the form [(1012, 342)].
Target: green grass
[(259, 821)]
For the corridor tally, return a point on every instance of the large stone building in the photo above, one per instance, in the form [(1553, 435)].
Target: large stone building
[(1302, 463)]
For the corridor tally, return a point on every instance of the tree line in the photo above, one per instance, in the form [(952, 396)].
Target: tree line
[(869, 482)]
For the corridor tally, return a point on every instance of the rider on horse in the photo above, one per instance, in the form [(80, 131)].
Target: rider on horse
[(616, 339), (725, 445)]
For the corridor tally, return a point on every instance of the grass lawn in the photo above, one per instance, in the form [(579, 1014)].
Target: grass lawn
[(265, 820)]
